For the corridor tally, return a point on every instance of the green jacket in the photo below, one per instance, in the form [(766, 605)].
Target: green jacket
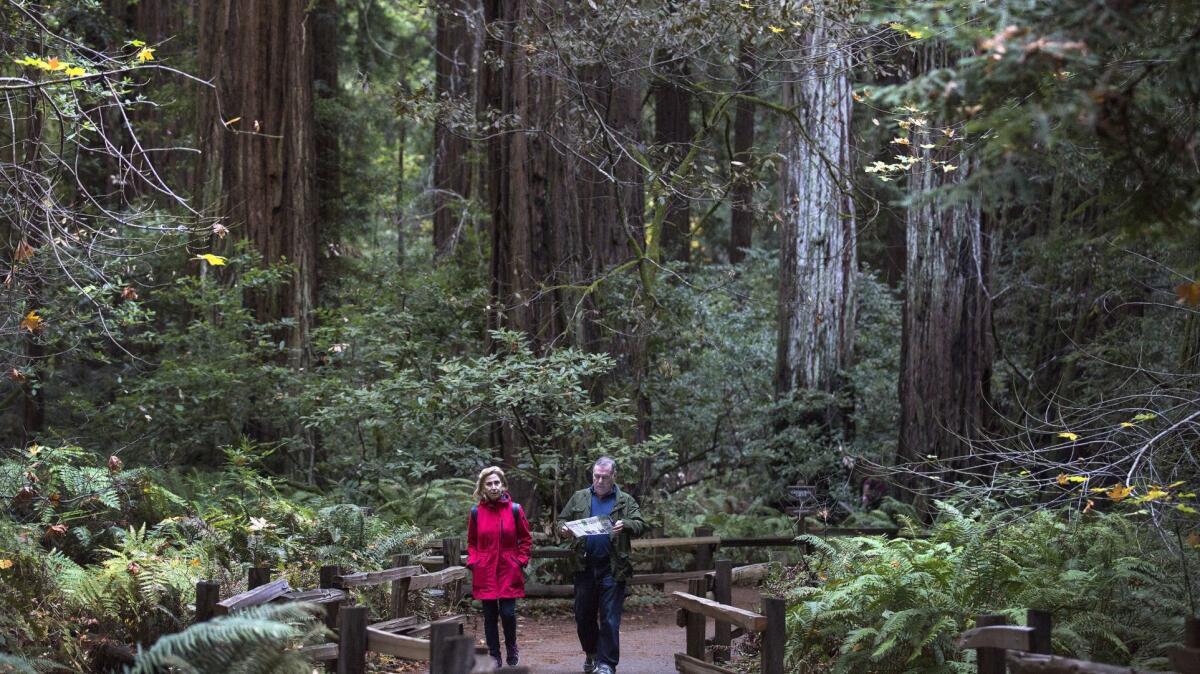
[(626, 509)]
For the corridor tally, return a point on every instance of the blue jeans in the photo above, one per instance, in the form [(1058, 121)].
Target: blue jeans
[(506, 611), (599, 601)]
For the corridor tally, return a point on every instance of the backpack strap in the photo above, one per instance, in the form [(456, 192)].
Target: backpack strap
[(475, 515)]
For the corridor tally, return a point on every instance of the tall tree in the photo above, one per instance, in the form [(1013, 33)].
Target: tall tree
[(324, 27), (257, 138), (455, 62), (566, 198), (946, 357), (819, 257), (741, 211), (673, 132)]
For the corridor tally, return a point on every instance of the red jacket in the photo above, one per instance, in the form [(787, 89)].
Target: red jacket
[(498, 544)]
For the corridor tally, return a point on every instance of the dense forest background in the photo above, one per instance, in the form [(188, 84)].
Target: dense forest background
[(273, 258)]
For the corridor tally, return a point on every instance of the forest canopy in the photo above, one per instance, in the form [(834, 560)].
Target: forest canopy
[(276, 271)]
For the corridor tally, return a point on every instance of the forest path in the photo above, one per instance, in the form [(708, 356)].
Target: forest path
[(649, 636)]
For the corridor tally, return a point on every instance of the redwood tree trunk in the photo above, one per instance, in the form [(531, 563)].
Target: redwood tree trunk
[(454, 61), (565, 199), (323, 22), (946, 360), (741, 212), (673, 132), (257, 172), (819, 259)]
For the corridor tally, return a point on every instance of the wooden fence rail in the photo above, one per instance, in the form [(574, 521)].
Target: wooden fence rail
[(696, 608), (1002, 648), (399, 635)]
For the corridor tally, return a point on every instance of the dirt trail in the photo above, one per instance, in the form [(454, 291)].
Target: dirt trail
[(649, 637)]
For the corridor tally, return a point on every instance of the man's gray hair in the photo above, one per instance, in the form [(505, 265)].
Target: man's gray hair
[(605, 462)]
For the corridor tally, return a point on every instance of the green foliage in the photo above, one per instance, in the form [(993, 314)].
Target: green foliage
[(898, 605), (261, 639)]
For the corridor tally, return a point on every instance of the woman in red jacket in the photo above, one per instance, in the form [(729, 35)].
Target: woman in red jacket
[(498, 544)]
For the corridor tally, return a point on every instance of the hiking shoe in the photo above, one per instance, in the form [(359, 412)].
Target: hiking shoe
[(604, 669), (496, 661), (514, 656), (589, 664)]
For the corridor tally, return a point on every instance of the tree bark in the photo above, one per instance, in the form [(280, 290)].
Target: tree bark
[(673, 132), (819, 249), (257, 139), (946, 359), (741, 207), (324, 27), (454, 62), (565, 200)]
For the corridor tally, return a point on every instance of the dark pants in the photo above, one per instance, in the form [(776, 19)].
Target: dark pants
[(506, 611), (599, 601)]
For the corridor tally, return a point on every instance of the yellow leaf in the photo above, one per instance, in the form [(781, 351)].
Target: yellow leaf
[(31, 323), (75, 71), (1145, 416), (6, 563), (214, 260), (1061, 479), (946, 168), (1119, 492), (1173, 485), (146, 54), (1127, 424), (137, 43), (927, 146), (55, 64), (1076, 479), (901, 141), (775, 29), (1066, 434), (1187, 509), (1097, 490), (1188, 293), (1152, 495)]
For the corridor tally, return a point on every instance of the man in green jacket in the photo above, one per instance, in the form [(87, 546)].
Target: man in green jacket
[(602, 565)]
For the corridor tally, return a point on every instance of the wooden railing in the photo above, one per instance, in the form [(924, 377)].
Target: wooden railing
[(400, 634), (1026, 649), (696, 608), (448, 652)]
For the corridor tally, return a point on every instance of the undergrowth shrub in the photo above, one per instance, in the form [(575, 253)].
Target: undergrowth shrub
[(892, 606)]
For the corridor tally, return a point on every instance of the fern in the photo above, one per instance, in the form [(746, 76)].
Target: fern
[(898, 605), (262, 639)]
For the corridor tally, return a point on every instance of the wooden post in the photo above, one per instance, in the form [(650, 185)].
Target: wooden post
[(400, 589), (208, 594), (257, 576), (440, 631), (328, 579), (802, 529), (723, 592), (774, 638), (460, 654), (704, 551), (657, 564), (451, 555), (695, 621), (990, 660), (352, 640), (1043, 626)]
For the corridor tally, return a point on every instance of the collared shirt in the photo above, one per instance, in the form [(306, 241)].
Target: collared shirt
[(600, 546)]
